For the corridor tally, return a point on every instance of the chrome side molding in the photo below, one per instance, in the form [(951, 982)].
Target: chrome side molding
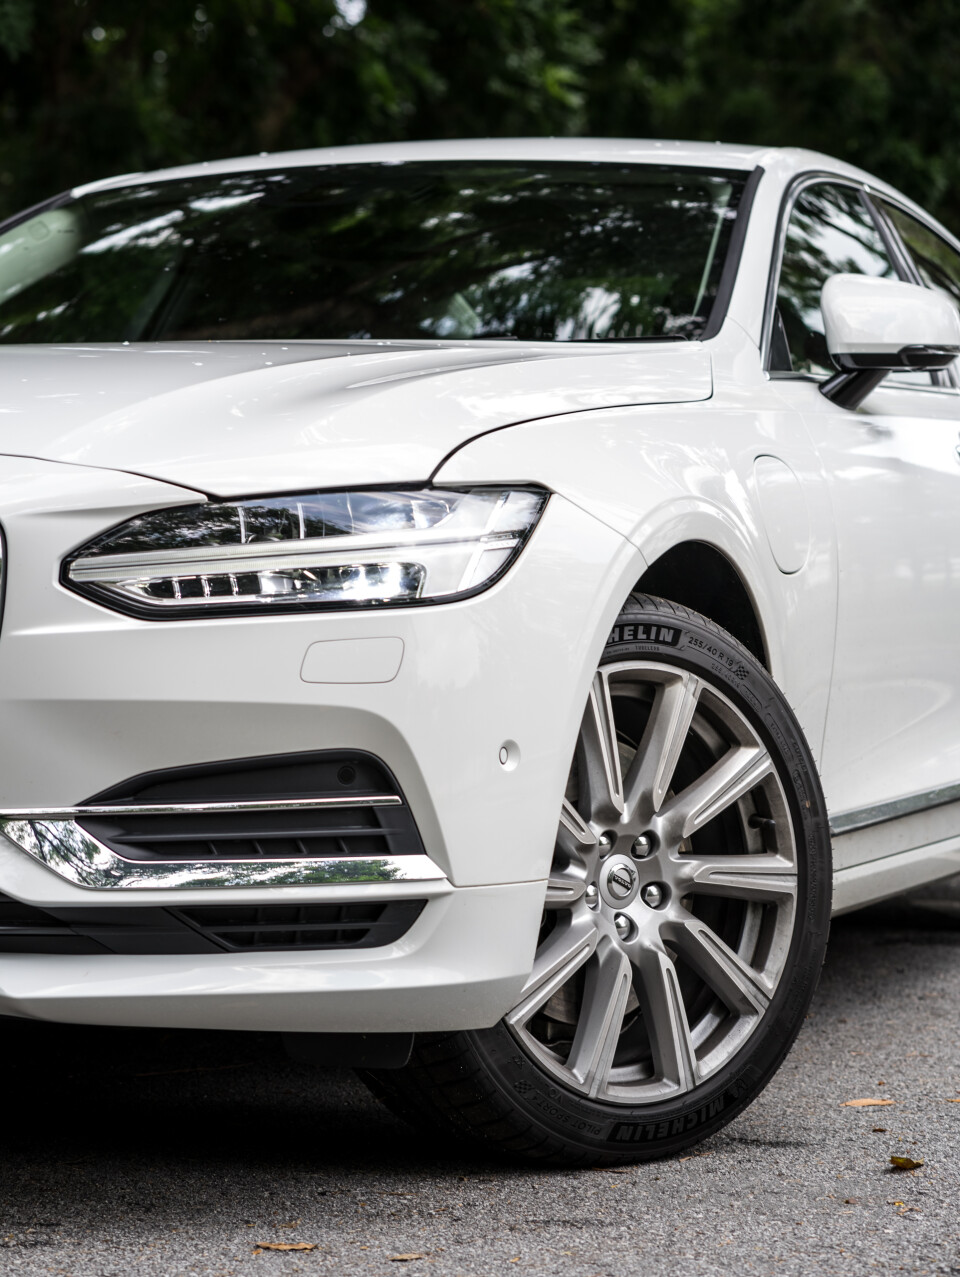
[(66, 848), (846, 822)]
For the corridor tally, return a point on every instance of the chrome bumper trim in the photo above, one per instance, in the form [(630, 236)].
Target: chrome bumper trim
[(200, 809), (66, 848)]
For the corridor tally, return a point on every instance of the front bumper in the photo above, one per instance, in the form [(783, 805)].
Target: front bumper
[(91, 698), (462, 965)]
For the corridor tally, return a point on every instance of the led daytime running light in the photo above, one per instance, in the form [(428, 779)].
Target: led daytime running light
[(319, 550)]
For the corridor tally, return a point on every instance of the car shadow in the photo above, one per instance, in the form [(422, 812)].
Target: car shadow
[(127, 1106)]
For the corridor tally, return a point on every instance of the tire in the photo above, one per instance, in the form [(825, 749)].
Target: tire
[(649, 1023)]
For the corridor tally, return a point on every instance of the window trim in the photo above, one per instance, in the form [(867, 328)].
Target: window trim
[(900, 254), (731, 266), (918, 215), (948, 378), (35, 210), (896, 247), (800, 183), (940, 378)]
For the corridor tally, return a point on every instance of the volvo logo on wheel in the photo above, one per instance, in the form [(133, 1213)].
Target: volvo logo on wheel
[(621, 880)]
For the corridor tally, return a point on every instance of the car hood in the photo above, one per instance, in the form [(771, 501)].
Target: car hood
[(233, 418)]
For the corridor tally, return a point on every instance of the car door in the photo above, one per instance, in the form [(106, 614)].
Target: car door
[(893, 722)]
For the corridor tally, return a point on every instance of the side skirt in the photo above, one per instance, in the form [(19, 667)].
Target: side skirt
[(885, 857)]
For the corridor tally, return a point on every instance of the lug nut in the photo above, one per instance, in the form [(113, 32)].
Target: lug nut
[(642, 847), (652, 895), (606, 842), (622, 924), (592, 895)]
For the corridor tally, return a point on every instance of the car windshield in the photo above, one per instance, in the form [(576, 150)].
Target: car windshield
[(451, 251)]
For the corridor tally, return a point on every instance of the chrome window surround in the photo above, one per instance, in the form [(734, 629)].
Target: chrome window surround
[(54, 837), (898, 252)]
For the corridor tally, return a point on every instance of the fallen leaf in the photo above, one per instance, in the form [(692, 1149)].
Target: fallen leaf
[(905, 1163), (951, 1099), (879, 1130), (285, 1246), (851, 1201), (866, 1104), (907, 1209), (403, 1259)]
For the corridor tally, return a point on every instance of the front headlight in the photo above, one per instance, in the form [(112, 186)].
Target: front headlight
[(321, 550)]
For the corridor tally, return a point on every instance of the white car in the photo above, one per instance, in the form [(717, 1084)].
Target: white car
[(435, 577)]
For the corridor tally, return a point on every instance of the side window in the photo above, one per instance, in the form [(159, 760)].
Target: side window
[(831, 232), (937, 262)]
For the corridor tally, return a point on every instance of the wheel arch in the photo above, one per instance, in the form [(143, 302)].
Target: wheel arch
[(701, 577)]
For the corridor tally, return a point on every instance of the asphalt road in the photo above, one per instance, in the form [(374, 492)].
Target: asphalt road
[(135, 1152)]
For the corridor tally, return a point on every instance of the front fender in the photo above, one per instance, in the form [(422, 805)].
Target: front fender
[(678, 473)]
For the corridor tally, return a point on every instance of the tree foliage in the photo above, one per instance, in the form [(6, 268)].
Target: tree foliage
[(94, 87)]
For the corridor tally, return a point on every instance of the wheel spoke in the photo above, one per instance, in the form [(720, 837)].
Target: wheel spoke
[(568, 875), (651, 771), (732, 776), (601, 779), (574, 835), (566, 884), (606, 990), (737, 985), (761, 877), (560, 956), (660, 1000)]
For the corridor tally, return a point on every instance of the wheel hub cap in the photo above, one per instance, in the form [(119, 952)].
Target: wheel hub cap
[(620, 882)]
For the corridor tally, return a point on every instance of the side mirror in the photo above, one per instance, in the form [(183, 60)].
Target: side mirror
[(875, 326)]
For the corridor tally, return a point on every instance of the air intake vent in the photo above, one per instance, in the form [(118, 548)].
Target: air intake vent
[(326, 926), (206, 929), (343, 803), (26, 929)]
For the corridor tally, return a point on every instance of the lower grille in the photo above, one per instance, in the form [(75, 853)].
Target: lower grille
[(333, 926), (205, 929), (25, 929), (366, 815)]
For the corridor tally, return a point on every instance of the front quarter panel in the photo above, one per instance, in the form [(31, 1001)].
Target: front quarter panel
[(674, 473)]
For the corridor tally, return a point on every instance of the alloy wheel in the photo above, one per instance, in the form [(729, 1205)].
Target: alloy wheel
[(672, 898)]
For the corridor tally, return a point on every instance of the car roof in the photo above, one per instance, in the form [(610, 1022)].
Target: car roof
[(721, 155)]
